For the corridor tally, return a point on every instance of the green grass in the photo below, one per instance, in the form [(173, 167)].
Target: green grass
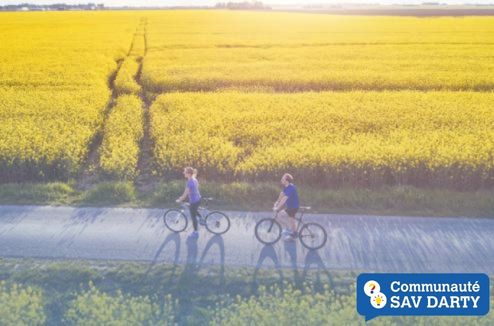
[(83, 292), (110, 193), (37, 193), (391, 200), (195, 289)]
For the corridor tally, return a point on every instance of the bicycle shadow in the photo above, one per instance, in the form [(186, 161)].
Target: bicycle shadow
[(220, 243), (171, 238), (267, 253), (312, 258), (191, 284), (291, 249), (193, 265)]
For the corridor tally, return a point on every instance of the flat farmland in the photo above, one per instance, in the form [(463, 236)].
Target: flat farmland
[(244, 96), (362, 138), (425, 67), (295, 52), (54, 76)]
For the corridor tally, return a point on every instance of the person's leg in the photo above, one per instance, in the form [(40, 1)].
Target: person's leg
[(197, 209), (291, 234), (292, 221), (282, 217), (193, 214)]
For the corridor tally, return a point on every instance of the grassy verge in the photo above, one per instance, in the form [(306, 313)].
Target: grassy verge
[(109, 293), (396, 200), (195, 289)]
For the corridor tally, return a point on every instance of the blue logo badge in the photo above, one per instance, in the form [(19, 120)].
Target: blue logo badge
[(422, 295)]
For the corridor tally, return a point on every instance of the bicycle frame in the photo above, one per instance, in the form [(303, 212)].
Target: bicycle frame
[(315, 232), (215, 222), (203, 210)]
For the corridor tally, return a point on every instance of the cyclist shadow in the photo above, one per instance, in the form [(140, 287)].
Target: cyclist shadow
[(171, 238), (193, 285), (291, 250), (267, 253), (193, 265), (312, 259), (218, 242)]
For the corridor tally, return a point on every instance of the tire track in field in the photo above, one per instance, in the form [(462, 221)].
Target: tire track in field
[(145, 164), (89, 172)]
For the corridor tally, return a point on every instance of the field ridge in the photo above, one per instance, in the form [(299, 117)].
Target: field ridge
[(88, 170), (145, 165), (91, 166)]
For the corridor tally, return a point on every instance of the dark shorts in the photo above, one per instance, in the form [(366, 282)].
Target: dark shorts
[(291, 211)]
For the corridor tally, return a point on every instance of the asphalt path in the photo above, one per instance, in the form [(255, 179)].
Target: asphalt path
[(355, 242)]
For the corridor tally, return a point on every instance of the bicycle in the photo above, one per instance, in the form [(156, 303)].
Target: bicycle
[(216, 222), (311, 235)]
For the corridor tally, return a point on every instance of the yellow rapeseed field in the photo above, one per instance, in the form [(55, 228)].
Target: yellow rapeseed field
[(54, 71), (198, 51), (125, 82), (340, 99), (45, 133), (122, 134), (329, 67), (222, 28), (444, 138)]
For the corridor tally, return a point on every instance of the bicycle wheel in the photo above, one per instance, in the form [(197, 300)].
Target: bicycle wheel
[(217, 222), (268, 231), (313, 236), (175, 220)]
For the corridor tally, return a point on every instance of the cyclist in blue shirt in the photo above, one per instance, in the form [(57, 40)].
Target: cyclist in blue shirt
[(287, 205), (192, 191)]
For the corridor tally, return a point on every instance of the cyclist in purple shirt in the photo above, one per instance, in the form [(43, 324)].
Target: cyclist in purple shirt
[(192, 191), (287, 205)]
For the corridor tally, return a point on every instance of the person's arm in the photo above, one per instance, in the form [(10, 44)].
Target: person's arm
[(281, 201), (184, 195), (278, 200)]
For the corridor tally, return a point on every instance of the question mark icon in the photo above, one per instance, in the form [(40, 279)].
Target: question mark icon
[(371, 288)]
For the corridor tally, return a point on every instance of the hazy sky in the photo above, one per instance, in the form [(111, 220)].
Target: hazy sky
[(212, 2)]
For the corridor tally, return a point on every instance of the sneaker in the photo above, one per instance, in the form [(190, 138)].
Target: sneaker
[(289, 237), (286, 232), (194, 235)]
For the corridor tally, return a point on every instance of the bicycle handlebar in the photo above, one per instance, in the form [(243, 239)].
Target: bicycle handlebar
[(204, 199)]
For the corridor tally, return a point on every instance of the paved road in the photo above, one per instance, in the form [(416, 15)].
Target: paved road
[(366, 243)]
